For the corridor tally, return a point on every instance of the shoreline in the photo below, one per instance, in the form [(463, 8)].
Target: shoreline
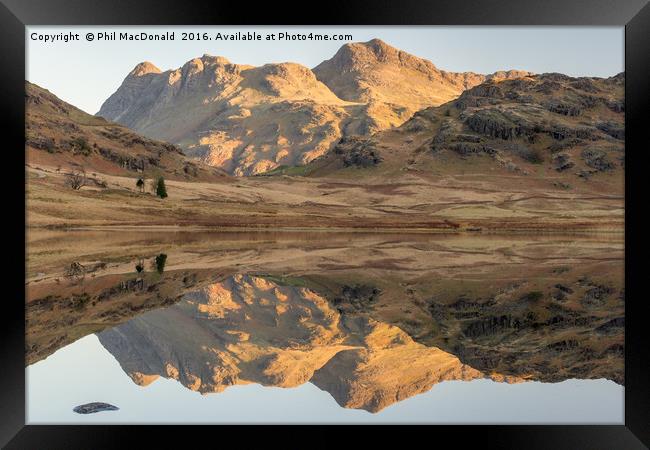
[(556, 230)]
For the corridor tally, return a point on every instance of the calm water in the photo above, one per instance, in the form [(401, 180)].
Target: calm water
[(329, 328)]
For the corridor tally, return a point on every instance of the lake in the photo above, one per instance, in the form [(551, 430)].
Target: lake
[(291, 327)]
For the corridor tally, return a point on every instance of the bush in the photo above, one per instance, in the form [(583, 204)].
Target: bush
[(533, 296), (80, 144), (76, 179), (535, 156), (532, 155)]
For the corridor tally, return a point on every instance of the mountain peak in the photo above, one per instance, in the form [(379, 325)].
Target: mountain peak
[(144, 68), (211, 59), (365, 58), (356, 54), (379, 46)]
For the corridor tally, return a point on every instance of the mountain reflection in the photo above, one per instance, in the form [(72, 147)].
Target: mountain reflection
[(251, 329), (372, 327)]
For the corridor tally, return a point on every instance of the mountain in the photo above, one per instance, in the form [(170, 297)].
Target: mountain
[(387, 78), (241, 118), (61, 135), (249, 120), (568, 129)]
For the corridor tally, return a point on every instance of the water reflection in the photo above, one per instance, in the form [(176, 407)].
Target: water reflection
[(370, 320), (253, 329)]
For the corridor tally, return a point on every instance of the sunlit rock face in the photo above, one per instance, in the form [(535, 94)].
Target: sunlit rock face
[(241, 118), (252, 329), (390, 367), (242, 330)]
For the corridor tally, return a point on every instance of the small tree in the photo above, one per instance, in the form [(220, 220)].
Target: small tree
[(76, 179), (160, 262), (140, 184), (161, 189)]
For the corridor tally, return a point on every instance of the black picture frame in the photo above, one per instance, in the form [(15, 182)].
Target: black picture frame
[(633, 14)]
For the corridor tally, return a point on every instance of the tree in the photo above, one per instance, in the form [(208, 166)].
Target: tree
[(160, 262), (140, 184), (76, 179), (161, 189)]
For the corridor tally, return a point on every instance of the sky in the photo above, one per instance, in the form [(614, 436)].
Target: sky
[(85, 73), (85, 372)]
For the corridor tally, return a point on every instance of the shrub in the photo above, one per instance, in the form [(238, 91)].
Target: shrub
[(533, 296), (80, 144), (534, 156), (76, 179)]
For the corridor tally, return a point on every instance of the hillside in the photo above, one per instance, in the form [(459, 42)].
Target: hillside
[(569, 130), (60, 135), (249, 120)]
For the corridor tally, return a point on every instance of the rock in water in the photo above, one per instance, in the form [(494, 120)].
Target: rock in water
[(94, 407)]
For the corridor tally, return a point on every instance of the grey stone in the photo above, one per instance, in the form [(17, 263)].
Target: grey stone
[(94, 407)]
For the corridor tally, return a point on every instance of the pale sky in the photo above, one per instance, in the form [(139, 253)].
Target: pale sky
[(85, 372), (87, 73)]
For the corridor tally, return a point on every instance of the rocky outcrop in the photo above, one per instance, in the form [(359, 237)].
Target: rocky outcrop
[(597, 159), (357, 152), (562, 162)]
